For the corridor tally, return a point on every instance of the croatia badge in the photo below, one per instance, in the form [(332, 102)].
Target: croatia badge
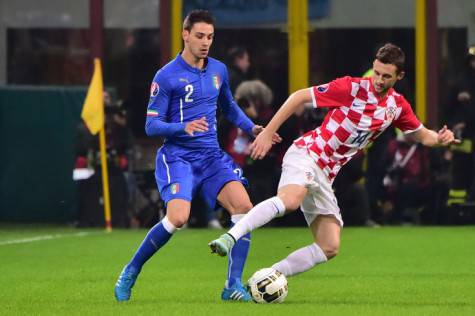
[(390, 113)]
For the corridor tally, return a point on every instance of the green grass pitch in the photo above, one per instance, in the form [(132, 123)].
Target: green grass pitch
[(386, 271)]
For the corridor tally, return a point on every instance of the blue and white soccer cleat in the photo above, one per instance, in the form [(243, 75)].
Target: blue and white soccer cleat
[(222, 246), (237, 292), (123, 287)]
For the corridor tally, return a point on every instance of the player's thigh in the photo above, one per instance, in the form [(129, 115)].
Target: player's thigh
[(223, 181), (234, 198), (297, 175), (178, 211), (174, 178), (292, 195), (326, 230)]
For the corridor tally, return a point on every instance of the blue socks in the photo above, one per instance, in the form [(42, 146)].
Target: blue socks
[(161, 233), (237, 257), (157, 236)]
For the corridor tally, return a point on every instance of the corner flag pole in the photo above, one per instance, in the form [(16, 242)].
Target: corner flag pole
[(105, 179), (93, 115)]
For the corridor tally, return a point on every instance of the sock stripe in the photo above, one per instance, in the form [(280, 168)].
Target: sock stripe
[(232, 237), (153, 243)]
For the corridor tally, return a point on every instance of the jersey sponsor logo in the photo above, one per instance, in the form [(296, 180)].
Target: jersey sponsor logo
[(322, 88), (152, 113), (183, 80), (216, 81), (154, 89), (175, 188)]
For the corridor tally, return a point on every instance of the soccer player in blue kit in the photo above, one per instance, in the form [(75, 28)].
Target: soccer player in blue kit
[(184, 97)]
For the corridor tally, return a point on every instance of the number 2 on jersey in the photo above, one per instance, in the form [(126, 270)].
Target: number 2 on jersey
[(189, 89)]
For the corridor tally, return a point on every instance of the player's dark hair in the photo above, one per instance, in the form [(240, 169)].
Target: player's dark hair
[(392, 54), (197, 16)]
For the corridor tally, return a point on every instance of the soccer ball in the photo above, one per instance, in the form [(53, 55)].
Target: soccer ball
[(268, 286)]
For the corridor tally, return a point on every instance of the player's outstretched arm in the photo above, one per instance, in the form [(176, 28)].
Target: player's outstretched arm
[(263, 141), (427, 137), (257, 129)]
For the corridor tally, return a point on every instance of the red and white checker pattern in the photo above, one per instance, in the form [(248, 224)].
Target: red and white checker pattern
[(355, 118)]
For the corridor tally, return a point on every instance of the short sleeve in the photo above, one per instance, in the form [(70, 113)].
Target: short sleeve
[(336, 93), (407, 121)]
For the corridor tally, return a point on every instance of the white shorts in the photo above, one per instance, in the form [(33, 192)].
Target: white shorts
[(299, 168)]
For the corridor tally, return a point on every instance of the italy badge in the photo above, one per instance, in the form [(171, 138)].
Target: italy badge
[(175, 188), (216, 81)]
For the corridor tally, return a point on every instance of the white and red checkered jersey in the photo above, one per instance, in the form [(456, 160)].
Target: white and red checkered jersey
[(355, 118)]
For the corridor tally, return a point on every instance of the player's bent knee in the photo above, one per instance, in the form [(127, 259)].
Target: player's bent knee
[(291, 203), (330, 250), (178, 220), (240, 208), (244, 207)]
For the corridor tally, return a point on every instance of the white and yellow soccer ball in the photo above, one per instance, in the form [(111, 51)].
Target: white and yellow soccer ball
[(268, 286)]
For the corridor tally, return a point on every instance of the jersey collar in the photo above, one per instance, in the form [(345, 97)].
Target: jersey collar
[(190, 68)]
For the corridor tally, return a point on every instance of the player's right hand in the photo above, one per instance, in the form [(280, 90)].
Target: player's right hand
[(261, 145), (196, 126)]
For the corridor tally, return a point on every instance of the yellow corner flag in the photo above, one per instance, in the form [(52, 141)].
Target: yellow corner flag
[(93, 109), (93, 115)]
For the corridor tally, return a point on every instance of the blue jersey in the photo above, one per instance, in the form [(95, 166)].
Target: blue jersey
[(181, 93), (189, 165)]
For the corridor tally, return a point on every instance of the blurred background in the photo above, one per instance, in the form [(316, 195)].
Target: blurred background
[(49, 165)]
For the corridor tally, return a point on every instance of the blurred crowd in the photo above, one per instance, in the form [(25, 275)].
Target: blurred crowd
[(394, 182)]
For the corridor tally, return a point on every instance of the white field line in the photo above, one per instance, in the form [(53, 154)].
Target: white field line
[(43, 237)]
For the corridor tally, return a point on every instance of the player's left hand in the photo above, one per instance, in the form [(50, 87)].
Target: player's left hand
[(261, 145), (257, 129), (446, 137)]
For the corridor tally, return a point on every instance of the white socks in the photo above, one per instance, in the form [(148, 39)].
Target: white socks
[(258, 216), (301, 260), (236, 218), (169, 227)]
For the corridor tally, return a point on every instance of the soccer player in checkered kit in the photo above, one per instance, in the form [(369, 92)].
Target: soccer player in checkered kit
[(360, 109), (184, 97)]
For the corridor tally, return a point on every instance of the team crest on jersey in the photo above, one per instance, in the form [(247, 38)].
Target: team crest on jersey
[(175, 188), (322, 88), (309, 175), (390, 113), (216, 81), (154, 89)]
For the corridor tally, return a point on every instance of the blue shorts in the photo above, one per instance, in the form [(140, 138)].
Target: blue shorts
[(182, 173)]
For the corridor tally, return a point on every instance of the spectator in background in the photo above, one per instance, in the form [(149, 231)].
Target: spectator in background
[(407, 181), (255, 98), (119, 147), (239, 63), (352, 195), (463, 122)]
